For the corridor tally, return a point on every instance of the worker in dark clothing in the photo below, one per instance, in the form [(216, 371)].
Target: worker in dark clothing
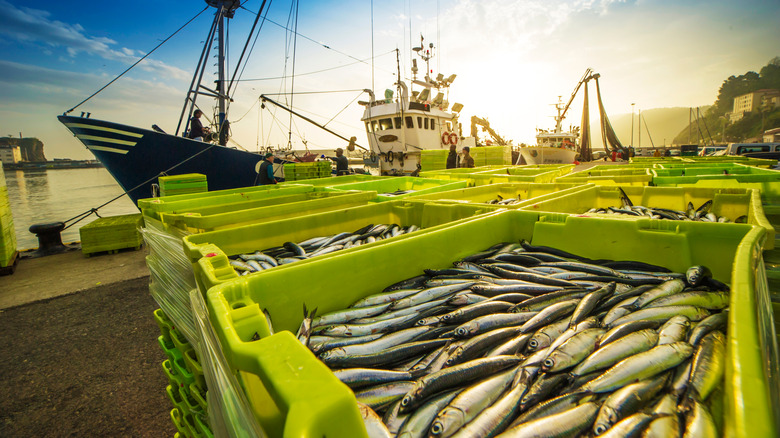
[(266, 172), (468, 160), (197, 130), (452, 158), (342, 163)]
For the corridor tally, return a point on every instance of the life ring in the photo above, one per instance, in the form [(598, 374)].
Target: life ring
[(453, 138), (445, 138)]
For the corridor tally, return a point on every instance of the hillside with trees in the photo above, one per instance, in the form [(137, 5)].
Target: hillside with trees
[(714, 120)]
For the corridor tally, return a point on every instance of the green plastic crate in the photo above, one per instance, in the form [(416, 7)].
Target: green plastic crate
[(175, 396), (164, 323), (199, 394), (182, 184), (204, 430), (732, 251), (334, 180), (169, 349), (610, 177), (211, 250), (731, 203), (155, 207), (487, 178), (193, 366), (111, 234), (223, 217), (526, 192), (152, 206), (766, 180), (384, 186), (178, 421)]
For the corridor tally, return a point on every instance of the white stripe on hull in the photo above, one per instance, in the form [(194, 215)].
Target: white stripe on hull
[(101, 128), (107, 149), (106, 139)]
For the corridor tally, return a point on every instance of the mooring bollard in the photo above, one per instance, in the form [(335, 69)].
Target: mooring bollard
[(49, 239)]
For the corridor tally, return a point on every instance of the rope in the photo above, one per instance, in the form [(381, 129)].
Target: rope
[(125, 192), (136, 63)]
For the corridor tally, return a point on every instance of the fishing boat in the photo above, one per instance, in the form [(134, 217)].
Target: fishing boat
[(399, 128), (555, 146), (135, 157), (559, 147)]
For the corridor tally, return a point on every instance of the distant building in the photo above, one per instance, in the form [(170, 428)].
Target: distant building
[(772, 135), (10, 154), (747, 103)]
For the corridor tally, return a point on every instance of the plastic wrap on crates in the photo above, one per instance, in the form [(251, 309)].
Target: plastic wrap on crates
[(171, 277), (229, 411)]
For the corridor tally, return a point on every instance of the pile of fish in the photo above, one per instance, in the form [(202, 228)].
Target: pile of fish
[(702, 214), (291, 252), (501, 201), (531, 341)]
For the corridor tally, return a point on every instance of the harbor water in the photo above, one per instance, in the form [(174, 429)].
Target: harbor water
[(44, 196)]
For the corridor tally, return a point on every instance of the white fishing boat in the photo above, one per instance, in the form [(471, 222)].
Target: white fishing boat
[(559, 147), (556, 146), (400, 126)]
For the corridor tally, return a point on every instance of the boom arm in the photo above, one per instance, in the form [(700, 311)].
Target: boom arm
[(486, 125), (265, 98), (585, 78)]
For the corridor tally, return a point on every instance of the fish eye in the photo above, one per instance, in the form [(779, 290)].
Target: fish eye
[(549, 362), (533, 343), (461, 332), (600, 429), (436, 429), (406, 401)]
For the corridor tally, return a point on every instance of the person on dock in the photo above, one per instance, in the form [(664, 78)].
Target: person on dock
[(452, 158), (342, 163), (657, 153), (266, 172), (468, 160), (197, 130)]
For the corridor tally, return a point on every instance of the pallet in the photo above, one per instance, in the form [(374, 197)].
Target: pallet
[(112, 251), (11, 268)]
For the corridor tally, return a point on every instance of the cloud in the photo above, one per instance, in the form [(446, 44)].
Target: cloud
[(24, 84), (34, 26)]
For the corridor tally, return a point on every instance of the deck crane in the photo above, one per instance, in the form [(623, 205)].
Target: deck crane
[(562, 112), (479, 121)]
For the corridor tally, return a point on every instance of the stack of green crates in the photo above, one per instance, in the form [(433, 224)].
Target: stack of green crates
[(186, 383), (433, 159), (111, 234), (183, 184), (7, 234), (300, 171), (491, 155)]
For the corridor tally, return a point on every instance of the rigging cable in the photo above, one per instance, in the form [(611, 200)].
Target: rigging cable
[(241, 58), (86, 214), (316, 71), (342, 110), (137, 62), (292, 83)]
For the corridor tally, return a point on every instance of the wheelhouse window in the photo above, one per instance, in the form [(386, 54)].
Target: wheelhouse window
[(368, 127), (374, 126), (433, 124), (426, 123), (385, 124), (419, 122), (409, 122), (397, 122)]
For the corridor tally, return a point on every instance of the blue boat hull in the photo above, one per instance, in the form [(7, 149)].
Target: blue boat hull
[(136, 157)]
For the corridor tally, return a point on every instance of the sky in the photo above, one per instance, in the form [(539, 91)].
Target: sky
[(513, 58)]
